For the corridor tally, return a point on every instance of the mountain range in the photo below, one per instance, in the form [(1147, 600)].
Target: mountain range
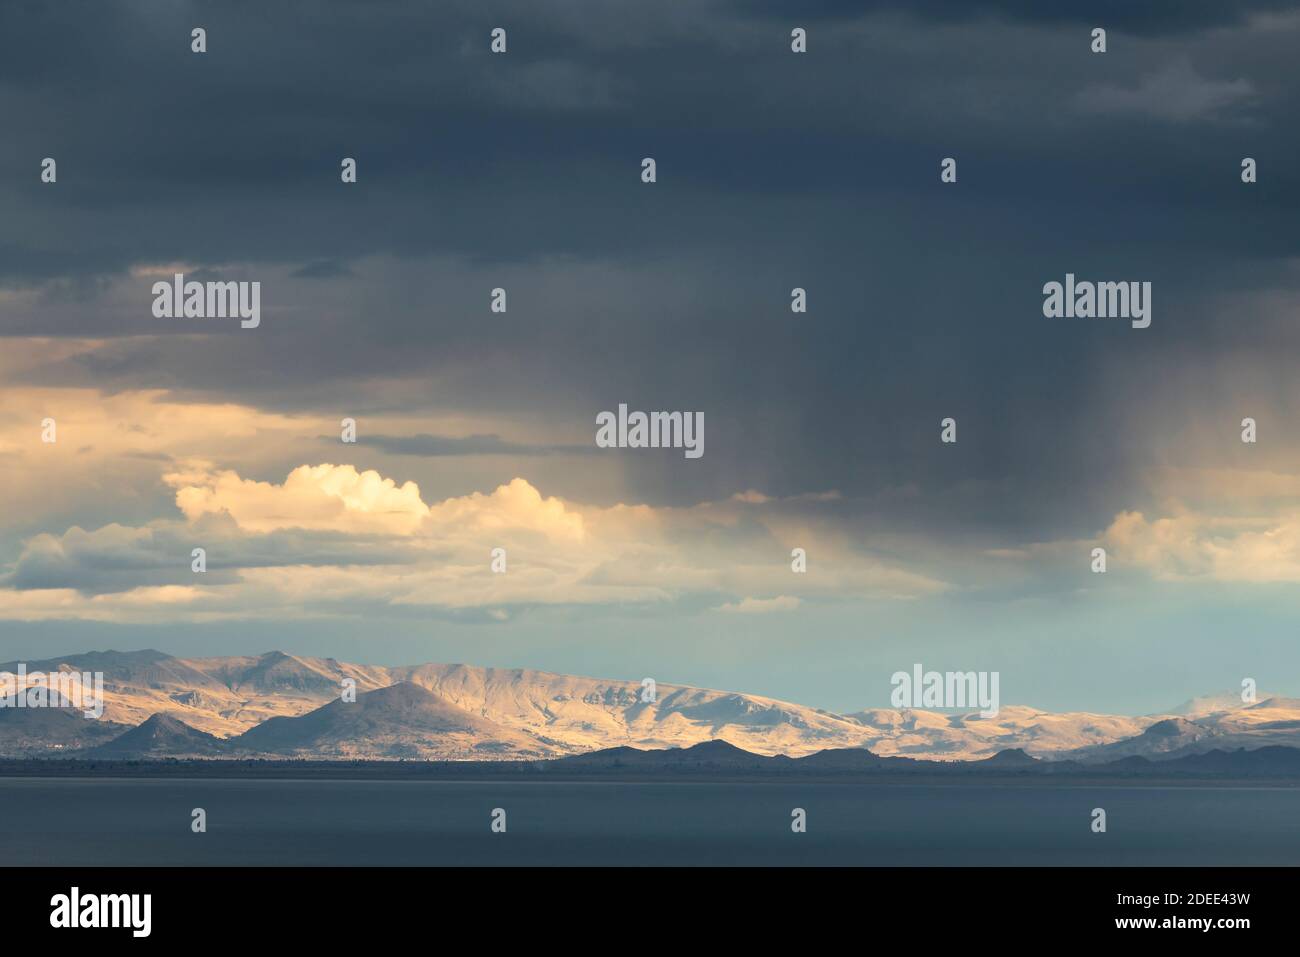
[(279, 705)]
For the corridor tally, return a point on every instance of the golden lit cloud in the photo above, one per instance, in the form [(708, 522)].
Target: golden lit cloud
[(437, 555), (1191, 545), (333, 497)]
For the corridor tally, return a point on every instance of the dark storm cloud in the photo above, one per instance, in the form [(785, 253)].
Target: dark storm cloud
[(443, 445), (233, 155), (775, 171), (1148, 18)]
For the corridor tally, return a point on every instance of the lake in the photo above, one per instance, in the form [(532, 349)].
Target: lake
[(82, 821)]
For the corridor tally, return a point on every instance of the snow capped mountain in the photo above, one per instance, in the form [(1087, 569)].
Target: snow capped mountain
[(933, 734), (287, 705), (401, 721)]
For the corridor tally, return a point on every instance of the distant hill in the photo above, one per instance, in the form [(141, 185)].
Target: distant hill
[(165, 748), (1268, 760), (717, 757), (1215, 704), (1010, 758), (1161, 738), (161, 736), (1271, 722), (707, 755)]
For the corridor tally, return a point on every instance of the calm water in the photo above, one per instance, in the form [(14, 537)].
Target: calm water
[(138, 822)]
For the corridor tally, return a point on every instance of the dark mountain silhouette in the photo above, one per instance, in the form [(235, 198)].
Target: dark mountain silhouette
[(1010, 758), (1272, 759), (161, 736), (708, 755), (1268, 762), (841, 759)]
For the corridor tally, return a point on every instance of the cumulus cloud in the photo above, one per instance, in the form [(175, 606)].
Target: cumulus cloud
[(333, 497), (335, 540), (516, 505), (1190, 545)]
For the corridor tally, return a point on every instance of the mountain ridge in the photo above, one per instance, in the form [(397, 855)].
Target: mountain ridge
[(466, 712)]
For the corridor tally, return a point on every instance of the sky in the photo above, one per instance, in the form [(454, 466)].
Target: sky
[(476, 429)]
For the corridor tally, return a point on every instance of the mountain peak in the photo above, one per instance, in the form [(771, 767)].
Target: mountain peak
[(1204, 705), (1277, 702), (1009, 757), (401, 720), (715, 748), (161, 735), (1171, 727)]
